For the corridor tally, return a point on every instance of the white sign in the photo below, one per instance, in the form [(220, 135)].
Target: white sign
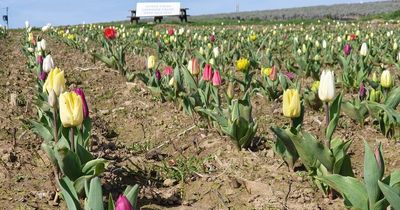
[(151, 9)]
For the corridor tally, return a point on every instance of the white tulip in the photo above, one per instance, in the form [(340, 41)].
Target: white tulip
[(216, 52), (364, 49), (48, 64), (27, 25), (324, 44), (326, 89)]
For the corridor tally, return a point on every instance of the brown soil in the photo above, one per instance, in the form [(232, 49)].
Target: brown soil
[(146, 141)]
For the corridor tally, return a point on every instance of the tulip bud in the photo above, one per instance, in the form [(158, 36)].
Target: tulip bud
[(375, 95), (171, 82), (207, 73), (71, 111), (216, 80), (291, 103), (123, 203), (158, 75), (52, 99), (43, 44), (386, 79), (48, 64), (201, 51), (212, 38), (27, 25), (42, 76), (379, 160), (212, 61), (324, 44), (395, 46), (326, 89), (273, 74), (362, 92), (194, 66), (85, 108), (230, 90), (151, 62), (40, 59), (216, 52), (364, 49), (347, 49), (374, 77)]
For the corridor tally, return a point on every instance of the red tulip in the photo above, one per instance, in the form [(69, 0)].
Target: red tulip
[(353, 37), (207, 73), (216, 80), (110, 33), (123, 203), (171, 31)]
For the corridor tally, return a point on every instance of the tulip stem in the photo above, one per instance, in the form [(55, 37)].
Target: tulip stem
[(55, 128), (327, 120), (71, 138)]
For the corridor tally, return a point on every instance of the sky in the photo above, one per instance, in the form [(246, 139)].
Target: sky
[(61, 12)]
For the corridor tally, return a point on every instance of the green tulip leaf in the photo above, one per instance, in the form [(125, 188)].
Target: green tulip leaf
[(69, 163), (351, 189), (69, 194), (95, 197), (372, 174), (390, 194)]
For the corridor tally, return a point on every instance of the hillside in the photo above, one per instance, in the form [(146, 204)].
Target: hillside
[(338, 11)]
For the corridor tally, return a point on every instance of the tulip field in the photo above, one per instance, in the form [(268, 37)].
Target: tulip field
[(225, 116)]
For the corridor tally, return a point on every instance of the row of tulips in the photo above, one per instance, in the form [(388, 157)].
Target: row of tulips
[(65, 125), (201, 65), (359, 70)]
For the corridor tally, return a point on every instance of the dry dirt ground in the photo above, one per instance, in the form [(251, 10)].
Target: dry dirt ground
[(177, 160)]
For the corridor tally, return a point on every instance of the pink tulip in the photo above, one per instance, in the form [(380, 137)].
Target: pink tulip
[(123, 203), (273, 74), (207, 73), (216, 80), (168, 71)]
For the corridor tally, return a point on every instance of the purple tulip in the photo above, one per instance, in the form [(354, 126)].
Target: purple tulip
[(158, 75), (347, 49), (362, 92), (290, 75), (123, 203), (42, 76), (79, 91)]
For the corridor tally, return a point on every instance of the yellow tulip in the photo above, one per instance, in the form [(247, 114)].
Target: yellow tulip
[(291, 103), (266, 71), (55, 81), (386, 79), (71, 111), (151, 62), (253, 37), (242, 64)]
